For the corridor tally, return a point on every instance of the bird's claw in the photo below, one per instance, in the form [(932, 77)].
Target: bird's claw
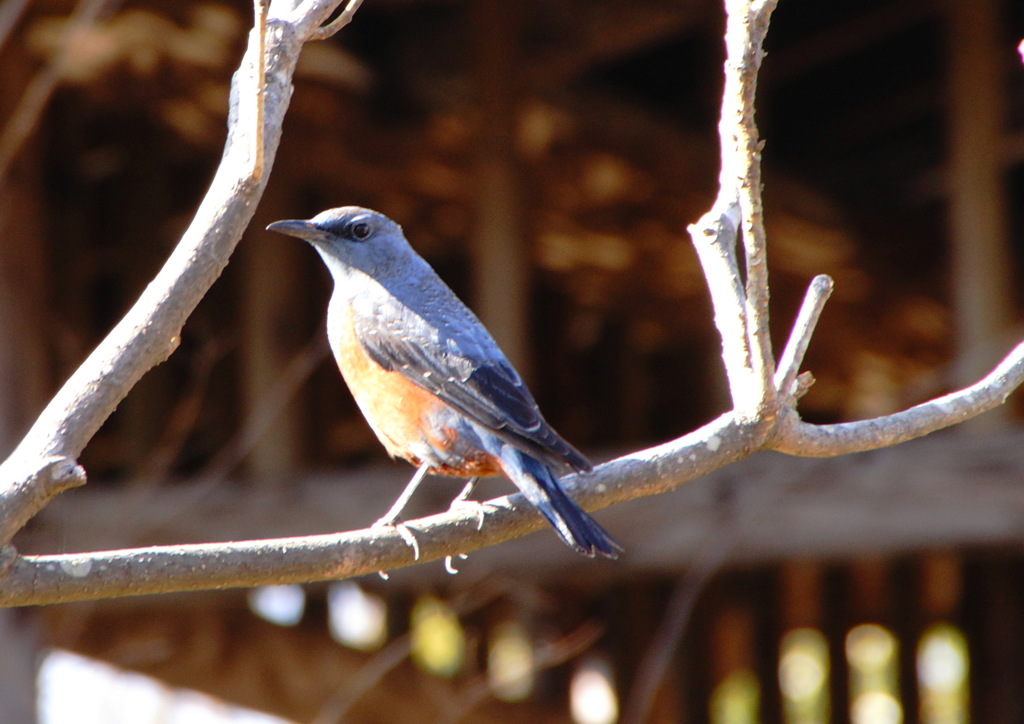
[(404, 533), (475, 506), (449, 562), (462, 501)]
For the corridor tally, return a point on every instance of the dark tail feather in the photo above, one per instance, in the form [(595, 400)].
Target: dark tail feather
[(540, 486)]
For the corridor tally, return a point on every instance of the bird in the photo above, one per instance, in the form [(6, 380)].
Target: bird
[(430, 380)]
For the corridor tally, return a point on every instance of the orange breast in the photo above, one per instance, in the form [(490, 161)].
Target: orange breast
[(399, 411)]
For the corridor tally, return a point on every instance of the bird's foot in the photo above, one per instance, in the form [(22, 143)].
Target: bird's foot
[(474, 506), (403, 531), (462, 502)]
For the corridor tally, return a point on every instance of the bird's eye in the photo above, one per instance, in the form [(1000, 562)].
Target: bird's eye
[(360, 230)]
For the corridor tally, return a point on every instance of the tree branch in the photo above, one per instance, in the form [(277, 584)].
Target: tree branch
[(746, 28), (795, 437), (714, 238), (800, 338), (26, 496), (343, 19), (764, 414), (163, 569), (151, 329), (258, 44)]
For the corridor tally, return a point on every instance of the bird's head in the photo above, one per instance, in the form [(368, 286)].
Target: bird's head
[(351, 238)]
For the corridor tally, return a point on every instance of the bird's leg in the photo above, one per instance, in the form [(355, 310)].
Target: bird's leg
[(390, 519), (462, 501), (396, 508), (466, 492)]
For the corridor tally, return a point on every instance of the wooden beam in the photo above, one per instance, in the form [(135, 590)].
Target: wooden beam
[(24, 291), (979, 219), (500, 256), (25, 368)]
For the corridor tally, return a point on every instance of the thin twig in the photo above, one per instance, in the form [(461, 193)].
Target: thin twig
[(368, 676), (788, 368), (651, 672), (665, 641), (343, 19)]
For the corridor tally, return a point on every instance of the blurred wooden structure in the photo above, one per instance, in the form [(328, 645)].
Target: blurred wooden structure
[(547, 165)]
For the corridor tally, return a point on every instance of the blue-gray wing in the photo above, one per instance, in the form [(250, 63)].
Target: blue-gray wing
[(456, 359)]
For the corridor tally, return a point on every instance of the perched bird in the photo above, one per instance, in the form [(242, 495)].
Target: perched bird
[(429, 378)]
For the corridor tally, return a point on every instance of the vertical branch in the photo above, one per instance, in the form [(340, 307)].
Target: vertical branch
[(249, 93), (261, 8), (741, 311), (714, 239), (746, 26)]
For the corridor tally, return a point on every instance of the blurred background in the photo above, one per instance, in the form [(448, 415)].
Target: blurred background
[(546, 158)]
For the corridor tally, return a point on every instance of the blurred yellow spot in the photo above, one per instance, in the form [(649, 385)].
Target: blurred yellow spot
[(942, 670), (803, 676), (438, 641), (736, 699), (510, 664), (872, 653)]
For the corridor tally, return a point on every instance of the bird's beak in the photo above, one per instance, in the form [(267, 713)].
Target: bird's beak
[(298, 228)]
